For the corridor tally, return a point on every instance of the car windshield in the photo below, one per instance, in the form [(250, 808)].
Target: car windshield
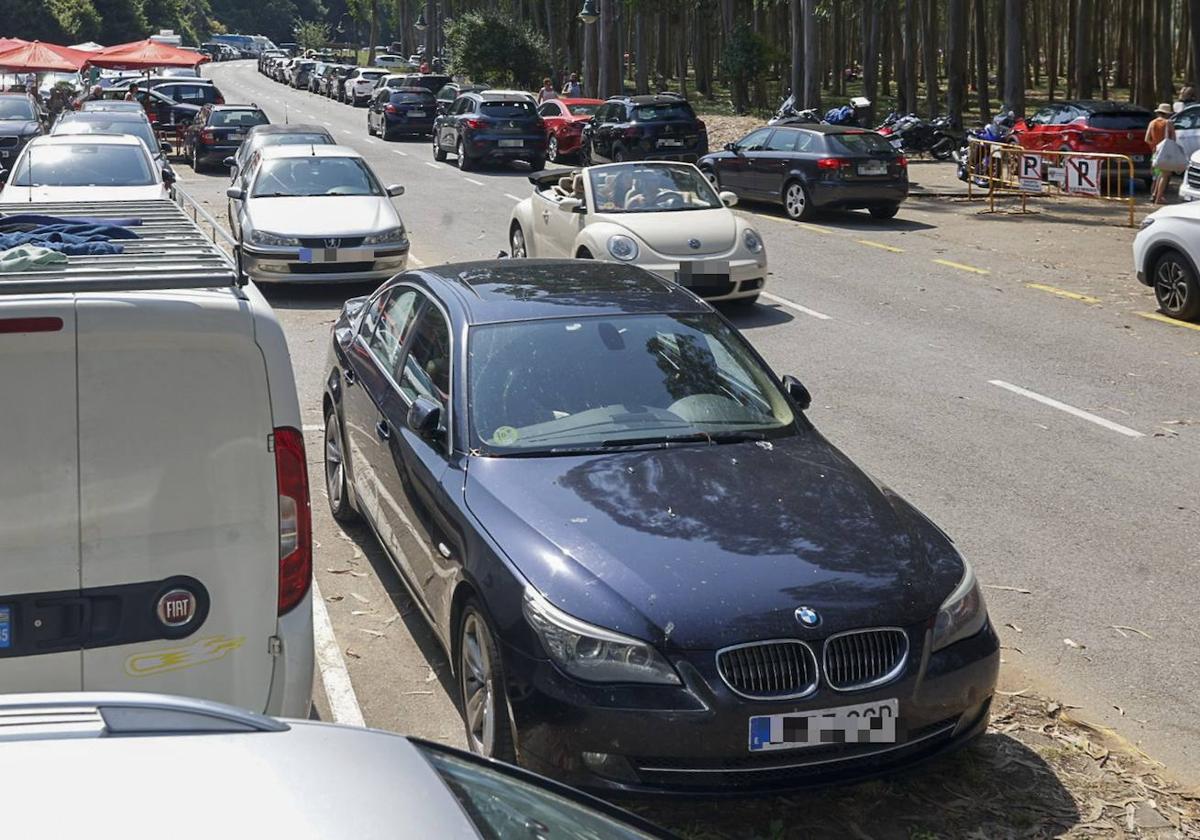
[(16, 108), (294, 177), (651, 187), (858, 143), (83, 165), (1120, 121), (664, 111), (507, 110), (238, 119), (593, 383), (583, 110), (503, 806), (138, 128), (297, 139)]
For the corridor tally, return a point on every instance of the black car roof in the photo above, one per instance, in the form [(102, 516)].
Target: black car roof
[(491, 291), (1105, 106), (822, 128)]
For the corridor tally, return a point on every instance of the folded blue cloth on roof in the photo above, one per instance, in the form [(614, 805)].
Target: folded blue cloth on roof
[(40, 219), (66, 243)]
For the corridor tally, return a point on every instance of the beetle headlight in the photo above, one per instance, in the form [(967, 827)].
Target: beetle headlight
[(752, 241), (593, 653), (963, 614), (395, 234), (262, 237), (622, 247)]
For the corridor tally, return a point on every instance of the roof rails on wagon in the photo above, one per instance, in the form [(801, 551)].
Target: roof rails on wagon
[(171, 252)]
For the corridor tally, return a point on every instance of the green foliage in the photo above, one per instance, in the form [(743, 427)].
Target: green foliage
[(189, 18), (78, 19), (120, 21), (311, 34), (496, 48), (747, 55)]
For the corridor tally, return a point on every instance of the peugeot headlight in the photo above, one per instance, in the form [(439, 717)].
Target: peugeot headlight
[(622, 247), (593, 653), (963, 614), (390, 235), (262, 237), (752, 241)]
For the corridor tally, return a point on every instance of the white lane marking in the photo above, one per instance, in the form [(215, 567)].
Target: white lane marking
[(343, 702), (400, 152), (1069, 409), (345, 131), (326, 124), (510, 195), (793, 305), (370, 139), (433, 165), (417, 261), (473, 181)]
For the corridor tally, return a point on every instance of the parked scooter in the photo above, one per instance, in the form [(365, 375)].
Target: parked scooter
[(999, 130), (911, 134)]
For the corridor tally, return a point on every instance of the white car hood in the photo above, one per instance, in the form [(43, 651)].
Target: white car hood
[(18, 195), (328, 215), (668, 233)]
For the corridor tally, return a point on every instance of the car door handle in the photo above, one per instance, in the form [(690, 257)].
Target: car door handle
[(383, 430), (546, 215), (350, 376)]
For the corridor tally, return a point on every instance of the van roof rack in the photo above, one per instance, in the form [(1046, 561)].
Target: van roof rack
[(170, 253)]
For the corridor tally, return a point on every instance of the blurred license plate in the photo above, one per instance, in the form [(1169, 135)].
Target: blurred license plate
[(873, 167), (866, 723), (333, 255), (5, 627), (701, 274), (237, 135), (1138, 158), (508, 144), (416, 113), (669, 141)]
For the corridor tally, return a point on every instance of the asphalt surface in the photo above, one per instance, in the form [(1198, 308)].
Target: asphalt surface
[(1005, 375)]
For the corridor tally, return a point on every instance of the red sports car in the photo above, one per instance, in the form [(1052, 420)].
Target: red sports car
[(564, 120)]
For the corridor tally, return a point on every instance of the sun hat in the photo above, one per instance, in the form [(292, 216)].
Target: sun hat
[(1164, 108)]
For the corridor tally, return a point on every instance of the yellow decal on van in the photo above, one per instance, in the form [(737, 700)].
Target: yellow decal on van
[(178, 658)]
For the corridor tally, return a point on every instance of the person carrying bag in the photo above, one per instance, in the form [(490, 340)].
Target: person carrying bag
[(1169, 156)]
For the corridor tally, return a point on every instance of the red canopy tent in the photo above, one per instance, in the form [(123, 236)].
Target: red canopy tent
[(9, 43), (144, 55), (36, 57)]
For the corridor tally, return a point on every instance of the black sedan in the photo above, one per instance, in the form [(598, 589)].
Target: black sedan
[(20, 121), (491, 125), (405, 110), (648, 569), (811, 168), (218, 131)]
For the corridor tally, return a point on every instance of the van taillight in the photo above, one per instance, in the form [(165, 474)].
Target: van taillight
[(295, 518)]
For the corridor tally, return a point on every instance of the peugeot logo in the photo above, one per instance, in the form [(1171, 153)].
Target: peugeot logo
[(694, 244), (807, 616)]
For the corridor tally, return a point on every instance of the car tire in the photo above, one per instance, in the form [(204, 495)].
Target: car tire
[(584, 254), (337, 486), (439, 154), (537, 164), (796, 202), (516, 242), (552, 148), (464, 160), (1176, 287), (481, 687), (619, 155), (370, 128), (196, 165), (711, 176), (884, 211)]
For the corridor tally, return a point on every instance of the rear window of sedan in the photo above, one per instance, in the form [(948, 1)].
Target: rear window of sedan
[(858, 143), (1120, 120), (237, 119), (507, 109), (666, 111), (407, 97)]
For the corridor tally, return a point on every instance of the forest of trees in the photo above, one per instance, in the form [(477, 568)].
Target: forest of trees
[(929, 56)]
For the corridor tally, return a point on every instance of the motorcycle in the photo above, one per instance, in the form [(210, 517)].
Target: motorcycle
[(851, 114), (911, 134), (789, 114), (999, 130)]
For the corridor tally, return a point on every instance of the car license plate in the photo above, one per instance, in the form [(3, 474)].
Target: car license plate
[(237, 136), (5, 627), (669, 141), (874, 167), (416, 113), (865, 723), (1138, 158), (335, 255), (509, 144)]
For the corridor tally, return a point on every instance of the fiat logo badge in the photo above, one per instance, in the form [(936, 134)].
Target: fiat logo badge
[(694, 244), (176, 608), (807, 616)]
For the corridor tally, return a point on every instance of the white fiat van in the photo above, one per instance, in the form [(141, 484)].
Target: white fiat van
[(154, 510)]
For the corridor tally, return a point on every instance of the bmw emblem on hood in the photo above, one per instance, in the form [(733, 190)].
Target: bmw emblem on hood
[(807, 616), (694, 244)]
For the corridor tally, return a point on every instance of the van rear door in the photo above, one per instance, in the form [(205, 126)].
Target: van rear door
[(178, 498), (40, 614)]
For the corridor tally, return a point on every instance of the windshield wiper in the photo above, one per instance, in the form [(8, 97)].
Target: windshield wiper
[(664, 441)]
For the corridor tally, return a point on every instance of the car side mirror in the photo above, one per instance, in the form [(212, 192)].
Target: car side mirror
[(3, 175), (732, 147), (165, 148), (168, 176), (727, 198), (797, 393), (572, 205), (423, 418), (236, 193), (230, 162), (395, 190)]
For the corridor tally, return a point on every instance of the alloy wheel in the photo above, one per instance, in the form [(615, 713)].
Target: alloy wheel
[(552, 148), (335, 463), (794, 201), (479, 701), (517, 241), (1171, 286)]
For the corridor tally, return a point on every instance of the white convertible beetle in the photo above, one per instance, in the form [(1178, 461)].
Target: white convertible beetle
[(664, 217)]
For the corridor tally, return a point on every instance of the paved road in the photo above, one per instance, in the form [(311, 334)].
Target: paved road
[(1018, 396)]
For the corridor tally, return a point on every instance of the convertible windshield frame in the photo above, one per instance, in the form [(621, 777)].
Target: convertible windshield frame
[(746, 384), (616, 200)]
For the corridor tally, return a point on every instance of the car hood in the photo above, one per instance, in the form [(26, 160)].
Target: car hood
[(18, 127), (669, 232), (13, 193), (329, 215), (700, 547)]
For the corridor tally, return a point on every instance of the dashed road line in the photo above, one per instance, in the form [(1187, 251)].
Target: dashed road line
[(473, 181), (343, 702), (400, 152), (817, 228), (1069, 409), (370, 139), (962, 267), (1174, 322), (347, 132), (880, 246), (433, 165), (820, 316), (510, 195), (1054, 290)]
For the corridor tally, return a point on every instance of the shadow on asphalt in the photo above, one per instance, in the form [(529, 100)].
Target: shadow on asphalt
[(997, 787), (762, 314), (315, 296), (842, 219)]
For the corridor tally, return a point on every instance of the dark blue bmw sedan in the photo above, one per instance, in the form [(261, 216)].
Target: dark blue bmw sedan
[(649, 570)]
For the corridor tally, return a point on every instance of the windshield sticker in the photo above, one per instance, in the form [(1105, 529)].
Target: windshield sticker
[(505, 436)]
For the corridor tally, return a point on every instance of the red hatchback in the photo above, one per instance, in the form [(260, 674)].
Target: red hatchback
[(1089, 125), (564, 120)]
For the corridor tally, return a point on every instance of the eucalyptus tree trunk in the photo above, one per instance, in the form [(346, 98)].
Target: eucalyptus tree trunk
[(956, 59), (605, 49), (910, 56), (870, 52), (642, 80), (1166, 84), (1085, 61), (930, 48), (1194, 26), (590, 84), (1144, 88), (796, 21), (812, 56), (1014, 58)]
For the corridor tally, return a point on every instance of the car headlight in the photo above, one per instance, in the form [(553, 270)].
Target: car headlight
[(752, 241), (593, 653), (395, 234), (963, 614), (1146, 222), (622, 247), (262, 237)]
